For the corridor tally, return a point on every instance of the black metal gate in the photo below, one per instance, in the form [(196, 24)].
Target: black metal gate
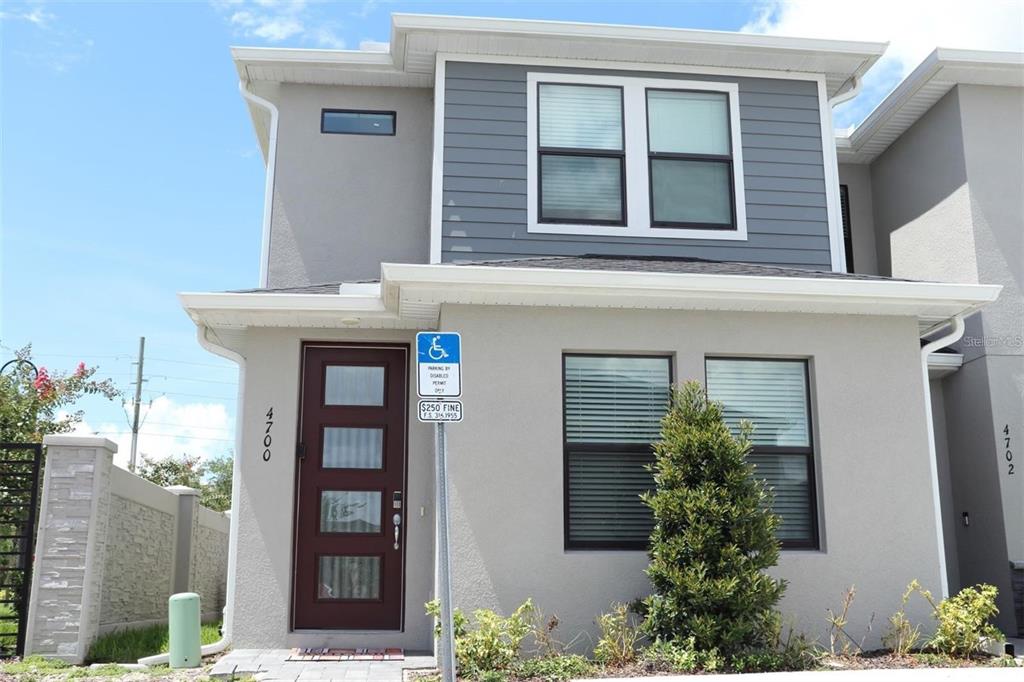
[(19, 498)]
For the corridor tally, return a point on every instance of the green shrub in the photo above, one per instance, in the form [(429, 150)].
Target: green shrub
[(492, 676), (902, 635), (963, 621), (619, 635), (491, 642), (714, 533), (554, 668)]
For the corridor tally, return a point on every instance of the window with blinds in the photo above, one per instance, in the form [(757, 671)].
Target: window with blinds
[(690, 157), (773, 396), (581, 156), (613, 409)]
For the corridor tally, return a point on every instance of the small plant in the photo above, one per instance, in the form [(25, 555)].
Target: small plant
[(672, 657), (837, 623), (492, 643), (902, 635), (963, 620), (620, 634), (554, 668)]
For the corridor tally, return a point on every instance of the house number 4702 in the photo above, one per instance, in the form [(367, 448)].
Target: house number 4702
[(1007, 451), (267, 439)]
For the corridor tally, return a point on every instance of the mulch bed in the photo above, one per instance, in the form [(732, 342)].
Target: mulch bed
[(885, 659)]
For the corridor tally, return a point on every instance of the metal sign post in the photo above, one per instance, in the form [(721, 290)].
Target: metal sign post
[(447, 641), (439, 379)]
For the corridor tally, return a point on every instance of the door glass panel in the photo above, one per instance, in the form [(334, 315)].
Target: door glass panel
[(349, 577), (350, 448), (350, 511), (354, 385)]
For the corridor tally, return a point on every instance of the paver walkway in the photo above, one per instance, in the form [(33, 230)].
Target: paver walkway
[(272, 665)]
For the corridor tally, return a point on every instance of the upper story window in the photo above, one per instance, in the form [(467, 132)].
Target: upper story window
[(353, 122), (580, 154), (639, 157)]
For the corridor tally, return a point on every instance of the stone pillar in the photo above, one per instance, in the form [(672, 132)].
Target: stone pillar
[(188, 500), (64, 607)]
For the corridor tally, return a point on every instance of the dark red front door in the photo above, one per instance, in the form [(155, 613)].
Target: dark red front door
[(350, 530)]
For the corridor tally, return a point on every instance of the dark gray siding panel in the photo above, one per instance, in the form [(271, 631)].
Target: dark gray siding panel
[(484, 185)]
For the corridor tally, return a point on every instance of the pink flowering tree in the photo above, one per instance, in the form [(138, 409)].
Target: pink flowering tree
[(41, 402)]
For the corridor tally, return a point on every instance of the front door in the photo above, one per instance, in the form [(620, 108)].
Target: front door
[(350, 533)]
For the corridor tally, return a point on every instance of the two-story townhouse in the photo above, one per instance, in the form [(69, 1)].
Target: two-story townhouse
[(601, 212), (934, 180)]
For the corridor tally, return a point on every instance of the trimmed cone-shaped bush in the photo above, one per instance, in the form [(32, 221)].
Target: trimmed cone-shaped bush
[(714, 535)]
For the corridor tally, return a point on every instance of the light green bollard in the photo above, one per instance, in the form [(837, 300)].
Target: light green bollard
[(183, 625)]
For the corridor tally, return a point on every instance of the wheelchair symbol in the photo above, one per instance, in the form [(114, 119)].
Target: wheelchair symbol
[(435, 352)]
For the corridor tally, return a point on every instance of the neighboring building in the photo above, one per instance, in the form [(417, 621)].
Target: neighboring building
[(935, 183), (601, 212)]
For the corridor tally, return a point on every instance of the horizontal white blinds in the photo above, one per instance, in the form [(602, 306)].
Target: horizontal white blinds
[(581, 187), (580, 116), (787, 477), (615, 399), (604, 497), (683, 122), (772, 394)]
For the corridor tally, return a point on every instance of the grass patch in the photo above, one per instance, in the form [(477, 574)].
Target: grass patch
[(128, 646), (37, 667)]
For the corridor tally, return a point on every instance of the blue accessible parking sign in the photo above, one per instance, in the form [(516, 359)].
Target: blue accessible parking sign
[(439, 364)]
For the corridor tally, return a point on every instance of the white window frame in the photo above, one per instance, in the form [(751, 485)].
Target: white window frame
[(637, 199)]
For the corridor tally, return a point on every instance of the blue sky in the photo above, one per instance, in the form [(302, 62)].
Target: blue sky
[(130, 171)]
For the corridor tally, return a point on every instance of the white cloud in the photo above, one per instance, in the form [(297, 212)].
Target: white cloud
[(275, 21), (172, 428), (913, 29), (38, 16), (374, 46), (53, 46)]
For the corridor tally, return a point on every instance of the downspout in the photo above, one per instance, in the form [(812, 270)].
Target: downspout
[(837, 251), (268, 191), (229, 596), (847, 95), (956, 331)]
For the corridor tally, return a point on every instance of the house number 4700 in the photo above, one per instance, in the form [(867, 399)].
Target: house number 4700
[(1007, 451), (267, 439)]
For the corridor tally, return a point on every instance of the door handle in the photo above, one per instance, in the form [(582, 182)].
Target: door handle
[(397, 519)]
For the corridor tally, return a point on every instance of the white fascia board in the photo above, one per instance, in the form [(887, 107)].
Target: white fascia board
[(943, 364), (280, 56), (538, 286), (276, 301), (564, 29)]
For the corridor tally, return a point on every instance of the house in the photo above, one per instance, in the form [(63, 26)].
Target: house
[(600, 212), (934, 180)]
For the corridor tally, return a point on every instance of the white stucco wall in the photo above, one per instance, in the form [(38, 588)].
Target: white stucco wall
[(506, 458), (948, 206), (266, 500)]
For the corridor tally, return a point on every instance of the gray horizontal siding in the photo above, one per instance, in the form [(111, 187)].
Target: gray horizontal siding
[(484, 184)]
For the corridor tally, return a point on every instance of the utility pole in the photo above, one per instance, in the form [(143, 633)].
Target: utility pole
[(138, 401)]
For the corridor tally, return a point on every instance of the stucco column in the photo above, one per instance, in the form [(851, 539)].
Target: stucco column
[(64, 607), (188, 499)]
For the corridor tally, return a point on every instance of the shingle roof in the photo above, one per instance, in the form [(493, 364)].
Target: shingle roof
[(672, 265), (324, 288), (697, 266)]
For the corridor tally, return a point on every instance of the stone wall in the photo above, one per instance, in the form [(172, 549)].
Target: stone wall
[(112, 547)]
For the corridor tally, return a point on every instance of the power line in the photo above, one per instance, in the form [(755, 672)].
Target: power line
[(189, 428), (167, 435), (190, 395)]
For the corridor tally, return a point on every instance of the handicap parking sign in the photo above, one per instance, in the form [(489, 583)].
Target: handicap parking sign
[(439, 364)]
